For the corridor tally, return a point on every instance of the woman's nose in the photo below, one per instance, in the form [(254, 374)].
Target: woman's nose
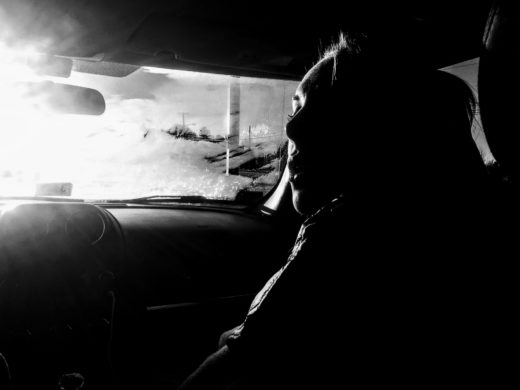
[(293, 129), (289, 130)]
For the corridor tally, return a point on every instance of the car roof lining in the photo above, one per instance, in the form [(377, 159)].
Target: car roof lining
[(268, 39)]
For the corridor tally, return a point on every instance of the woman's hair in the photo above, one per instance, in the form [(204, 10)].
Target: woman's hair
[(346, 46), (416, 118), (370, 55)]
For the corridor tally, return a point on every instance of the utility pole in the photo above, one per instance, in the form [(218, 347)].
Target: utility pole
[(183, 122), (233, 134)]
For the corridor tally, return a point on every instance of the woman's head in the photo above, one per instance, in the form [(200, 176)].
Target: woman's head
[(363, 123), (318, 131)]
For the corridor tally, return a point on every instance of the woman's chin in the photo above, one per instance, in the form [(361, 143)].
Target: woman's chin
[(306, 201), (303, 201)]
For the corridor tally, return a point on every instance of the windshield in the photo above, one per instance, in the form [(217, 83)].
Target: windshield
[(163, 133)]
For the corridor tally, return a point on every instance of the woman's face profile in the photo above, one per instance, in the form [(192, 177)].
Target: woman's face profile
[(315, 157)]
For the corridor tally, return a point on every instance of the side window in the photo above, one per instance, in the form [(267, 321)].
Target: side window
[(468, 71)]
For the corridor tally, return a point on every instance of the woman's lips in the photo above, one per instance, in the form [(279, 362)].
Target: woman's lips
[(295, 165), (296, 176), (295, 170), (297, 179)]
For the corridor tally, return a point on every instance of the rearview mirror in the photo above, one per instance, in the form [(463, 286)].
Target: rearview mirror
[(66, 98)]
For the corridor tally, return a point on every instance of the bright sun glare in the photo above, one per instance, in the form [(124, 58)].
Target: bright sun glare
[(30, 136)]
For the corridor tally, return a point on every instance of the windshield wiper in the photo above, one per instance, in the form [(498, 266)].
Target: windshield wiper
[(164, 199)]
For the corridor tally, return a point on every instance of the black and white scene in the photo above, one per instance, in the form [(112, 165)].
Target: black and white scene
[(233, 195)]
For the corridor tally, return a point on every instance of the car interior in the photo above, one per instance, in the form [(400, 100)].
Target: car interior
[(133, 288)]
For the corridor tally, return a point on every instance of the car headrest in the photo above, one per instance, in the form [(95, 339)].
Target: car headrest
[(499, 85)]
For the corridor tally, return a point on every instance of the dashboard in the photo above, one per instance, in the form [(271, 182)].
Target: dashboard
[(57, 262), (81, 285)]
